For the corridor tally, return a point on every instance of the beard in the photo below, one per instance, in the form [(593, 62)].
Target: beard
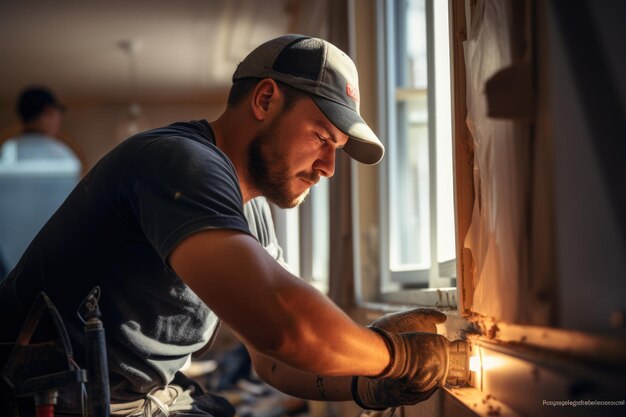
[(268, 172)]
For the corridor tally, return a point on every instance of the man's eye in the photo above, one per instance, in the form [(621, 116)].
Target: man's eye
[(321, 138)]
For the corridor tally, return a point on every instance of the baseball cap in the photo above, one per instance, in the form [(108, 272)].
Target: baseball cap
[(320, 69), (33, 100)]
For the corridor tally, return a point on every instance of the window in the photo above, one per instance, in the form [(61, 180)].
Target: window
[(303, 233), (315, 236), (417, 203)]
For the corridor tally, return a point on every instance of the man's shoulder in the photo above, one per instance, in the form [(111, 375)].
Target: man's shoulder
[(177, 144), (183, 136), (195, 129)]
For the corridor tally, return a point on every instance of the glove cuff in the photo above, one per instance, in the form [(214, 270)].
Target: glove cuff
[(395, 369), (385, 373), (357, 398)]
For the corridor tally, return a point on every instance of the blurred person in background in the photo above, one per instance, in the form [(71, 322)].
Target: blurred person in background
[(37, 172)]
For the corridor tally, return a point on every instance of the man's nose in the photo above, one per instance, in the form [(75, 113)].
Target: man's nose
[(325, 164)]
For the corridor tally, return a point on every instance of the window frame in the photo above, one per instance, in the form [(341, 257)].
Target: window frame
[(440, 278)]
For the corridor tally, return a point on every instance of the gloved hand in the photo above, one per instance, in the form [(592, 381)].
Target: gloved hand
[(419, 365), (372, 394), (416, 320), (425, 320)]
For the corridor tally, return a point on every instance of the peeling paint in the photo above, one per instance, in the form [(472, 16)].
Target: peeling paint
[(493, 331)]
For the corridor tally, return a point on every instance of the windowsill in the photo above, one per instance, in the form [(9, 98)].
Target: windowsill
[(389, 301), (366, 312), (428, 297)]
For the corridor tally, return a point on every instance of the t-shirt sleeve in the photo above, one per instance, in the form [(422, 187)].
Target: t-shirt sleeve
[(177, 187)]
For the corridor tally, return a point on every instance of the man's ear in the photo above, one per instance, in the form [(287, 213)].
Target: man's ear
[(265, 97)]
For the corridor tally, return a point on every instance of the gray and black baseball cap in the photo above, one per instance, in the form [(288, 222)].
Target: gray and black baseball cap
[(328, 75)]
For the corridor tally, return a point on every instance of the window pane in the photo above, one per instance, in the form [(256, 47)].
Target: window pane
[(409, 212), (416, 50), (409, 182), (321, 234)]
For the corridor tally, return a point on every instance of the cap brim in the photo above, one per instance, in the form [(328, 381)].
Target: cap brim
[(363, 144)]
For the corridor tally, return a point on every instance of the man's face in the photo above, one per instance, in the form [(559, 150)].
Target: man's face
[(291, 154), (51, 121)]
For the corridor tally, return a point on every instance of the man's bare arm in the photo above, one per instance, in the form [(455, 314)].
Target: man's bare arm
[(276, 313), (299, 383)]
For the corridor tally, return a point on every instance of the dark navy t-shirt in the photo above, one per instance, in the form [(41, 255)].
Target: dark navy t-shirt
[(116, 230)]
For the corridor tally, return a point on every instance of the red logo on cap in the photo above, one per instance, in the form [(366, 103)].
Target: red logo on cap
[(352, 92)]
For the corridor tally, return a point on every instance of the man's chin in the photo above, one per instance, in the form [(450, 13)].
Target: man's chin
[(289, 201)]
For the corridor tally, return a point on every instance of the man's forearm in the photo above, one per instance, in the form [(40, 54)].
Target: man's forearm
[(299, 383), (277, 313)]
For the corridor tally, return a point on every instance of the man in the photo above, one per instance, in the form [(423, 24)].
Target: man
[(37, 171), (158, 225)]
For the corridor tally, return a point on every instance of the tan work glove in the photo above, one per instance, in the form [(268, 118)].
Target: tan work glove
[(419, 361)]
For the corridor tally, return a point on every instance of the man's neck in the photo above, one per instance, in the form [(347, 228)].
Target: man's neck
[(35, 127), (230, 138)]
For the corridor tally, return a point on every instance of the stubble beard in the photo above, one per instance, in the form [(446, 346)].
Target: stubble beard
[(268, 173)]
